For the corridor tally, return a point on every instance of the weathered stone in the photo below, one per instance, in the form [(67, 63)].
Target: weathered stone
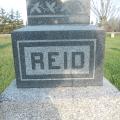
[(65, 55), (71, 103), (58, 12)]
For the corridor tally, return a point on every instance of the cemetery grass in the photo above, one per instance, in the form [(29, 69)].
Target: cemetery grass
[(111, 62), (6, 62)]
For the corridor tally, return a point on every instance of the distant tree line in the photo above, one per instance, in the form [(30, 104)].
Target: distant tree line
[(9, 21), (107, 14)]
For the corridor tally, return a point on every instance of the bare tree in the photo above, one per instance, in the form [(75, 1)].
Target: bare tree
[(17, 15), (12, 15), (104, 10), (2, 15), (114, 23)]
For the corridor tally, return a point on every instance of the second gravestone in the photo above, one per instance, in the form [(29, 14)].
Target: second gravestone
[(64, 54)]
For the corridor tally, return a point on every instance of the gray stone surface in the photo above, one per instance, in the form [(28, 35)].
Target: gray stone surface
[(58, 12), (69, 103), (66, 55)]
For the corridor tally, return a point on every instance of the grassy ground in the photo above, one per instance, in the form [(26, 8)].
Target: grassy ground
[(111, 66), (6, 62), (112, 60)]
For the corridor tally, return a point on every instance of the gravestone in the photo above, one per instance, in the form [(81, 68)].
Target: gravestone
[(59, 48), (56, 49)]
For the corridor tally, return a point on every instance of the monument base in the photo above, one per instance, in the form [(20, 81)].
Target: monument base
[(84, 103), (58, 55)]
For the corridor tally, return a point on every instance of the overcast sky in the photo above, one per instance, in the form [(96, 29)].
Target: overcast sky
[(21, 6)]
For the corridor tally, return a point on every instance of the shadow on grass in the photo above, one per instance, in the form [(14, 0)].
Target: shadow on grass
[(115, 49), (5, 45)]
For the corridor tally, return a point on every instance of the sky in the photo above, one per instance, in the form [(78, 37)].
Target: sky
[(20, 5)]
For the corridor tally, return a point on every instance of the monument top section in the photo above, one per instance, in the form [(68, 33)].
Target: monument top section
[(41, 12)]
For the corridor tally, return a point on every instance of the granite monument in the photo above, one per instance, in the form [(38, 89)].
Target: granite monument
[(58, 12), (58, 47)]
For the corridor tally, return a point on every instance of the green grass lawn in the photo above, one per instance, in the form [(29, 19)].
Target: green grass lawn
[(112, 60), (111, 66), (6, 62)]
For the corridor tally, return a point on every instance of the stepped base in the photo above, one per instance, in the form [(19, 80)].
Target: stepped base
[(84, 103)]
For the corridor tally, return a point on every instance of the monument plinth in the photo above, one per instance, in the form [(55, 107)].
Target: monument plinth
[(56, 49), (65, 55)]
